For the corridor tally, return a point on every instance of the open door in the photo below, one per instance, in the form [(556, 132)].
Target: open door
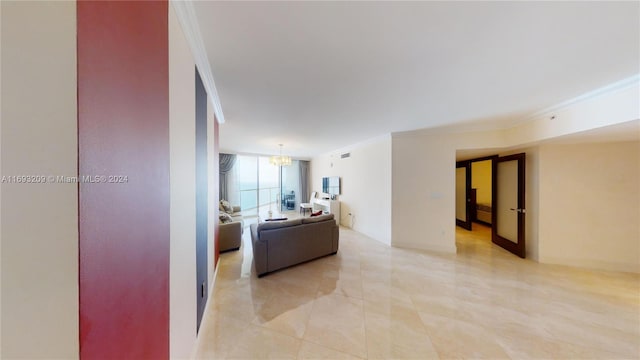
[(508, 203), (463, 193)]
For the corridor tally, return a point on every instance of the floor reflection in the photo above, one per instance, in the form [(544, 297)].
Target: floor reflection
[(375, 301)]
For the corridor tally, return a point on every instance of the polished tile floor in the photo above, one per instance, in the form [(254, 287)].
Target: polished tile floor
[(376, 302)]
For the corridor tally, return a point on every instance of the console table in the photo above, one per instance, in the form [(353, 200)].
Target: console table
[(330, 206)]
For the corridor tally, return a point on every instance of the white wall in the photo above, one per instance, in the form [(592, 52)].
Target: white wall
[(0, 186), (609, 106), (40, 221), (424, 181), (365, 185), (590, 196), (182, 297)]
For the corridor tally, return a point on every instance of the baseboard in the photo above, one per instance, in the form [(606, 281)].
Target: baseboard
[(443, 249), (592, 264), (388, 243), (213, 281)]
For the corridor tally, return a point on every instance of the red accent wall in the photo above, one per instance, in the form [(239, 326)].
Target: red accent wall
[(216, 186), (123, 129)]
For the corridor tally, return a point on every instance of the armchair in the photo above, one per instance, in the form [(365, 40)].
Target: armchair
[(230, 233), (230, 236)]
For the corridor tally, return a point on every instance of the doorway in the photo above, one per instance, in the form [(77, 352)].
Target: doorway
[(474, 192), (490, 195), (290, 196)]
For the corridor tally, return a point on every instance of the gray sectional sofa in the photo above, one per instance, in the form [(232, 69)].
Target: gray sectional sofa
[(280, 244)]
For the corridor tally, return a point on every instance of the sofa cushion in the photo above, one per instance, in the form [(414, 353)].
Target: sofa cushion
[(316, 219), (278, 224), (227, 206), (225, 218)]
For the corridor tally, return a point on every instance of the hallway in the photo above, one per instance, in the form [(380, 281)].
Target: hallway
[(476, 241)]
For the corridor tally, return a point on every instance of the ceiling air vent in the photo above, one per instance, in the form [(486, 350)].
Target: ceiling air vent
[(345, 155)]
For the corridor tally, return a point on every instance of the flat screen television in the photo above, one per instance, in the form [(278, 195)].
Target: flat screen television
[(331, 185)]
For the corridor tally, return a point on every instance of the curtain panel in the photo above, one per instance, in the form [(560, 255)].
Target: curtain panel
[(226, 164), (304, 181)]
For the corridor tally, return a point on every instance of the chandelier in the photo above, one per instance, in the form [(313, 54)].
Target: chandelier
[(280, 160)]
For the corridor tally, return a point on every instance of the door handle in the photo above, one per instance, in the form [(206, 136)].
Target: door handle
[(523, 211)]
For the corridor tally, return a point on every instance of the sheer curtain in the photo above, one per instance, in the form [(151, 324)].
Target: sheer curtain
[(233, 187)]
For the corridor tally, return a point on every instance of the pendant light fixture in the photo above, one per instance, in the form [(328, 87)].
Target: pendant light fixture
[(280, 160)]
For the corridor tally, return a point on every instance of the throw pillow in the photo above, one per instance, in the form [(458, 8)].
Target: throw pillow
[(225, 218), (227, 206), (317, 213)]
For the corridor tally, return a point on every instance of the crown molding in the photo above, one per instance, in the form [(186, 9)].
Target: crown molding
[(605, 90), (189, 22), (469, 127)]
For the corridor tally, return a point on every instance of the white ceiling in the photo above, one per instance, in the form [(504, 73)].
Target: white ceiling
[(318, 76)]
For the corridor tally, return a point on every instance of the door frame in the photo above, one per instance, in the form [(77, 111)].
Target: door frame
[(467, 223), (518, 248)]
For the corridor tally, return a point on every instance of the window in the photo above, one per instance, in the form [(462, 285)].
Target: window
[(254, 181)]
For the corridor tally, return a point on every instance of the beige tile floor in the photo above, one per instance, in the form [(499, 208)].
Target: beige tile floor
[(373, 301)]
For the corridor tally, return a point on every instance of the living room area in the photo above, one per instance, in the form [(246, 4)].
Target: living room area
[(410, 290), (294, 178), (374, 299), (371, 300)]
